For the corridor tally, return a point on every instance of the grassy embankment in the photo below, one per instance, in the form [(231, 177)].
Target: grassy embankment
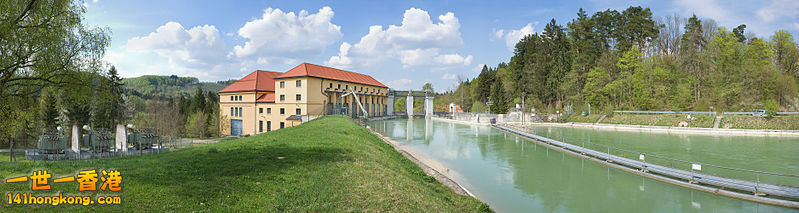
[(650, 120), (329, 164), (706, 121), (583, 119), (750, 122)]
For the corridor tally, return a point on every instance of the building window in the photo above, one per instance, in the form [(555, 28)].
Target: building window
[(354, 88), (282, 84), (261, 110), (347, 87), (299, 97), (299, 111), (231, 98), (282, 97), (331, 85), (232, 113), (239, 97), (260, 126), (268, 111), (268, 126), (282, 111), (282, 125), (339, 86), (299, 83)]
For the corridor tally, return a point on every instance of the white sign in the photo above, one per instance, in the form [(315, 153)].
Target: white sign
[(641, 156), (696, 166)]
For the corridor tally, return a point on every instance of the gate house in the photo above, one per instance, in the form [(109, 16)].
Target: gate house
[(264, 100)]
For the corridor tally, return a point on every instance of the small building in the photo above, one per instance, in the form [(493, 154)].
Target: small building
[(265, 100)]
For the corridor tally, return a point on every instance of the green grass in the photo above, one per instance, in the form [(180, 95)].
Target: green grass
[(705, 121), (330, 165), (750, 122), (583, 119), (5, 156)]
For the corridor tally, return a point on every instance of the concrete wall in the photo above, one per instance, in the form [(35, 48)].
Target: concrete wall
[(500, 118)]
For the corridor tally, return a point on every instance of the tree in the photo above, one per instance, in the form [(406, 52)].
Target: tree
[(739, 33), (498, 97), (399, 105), (41, 43), (692, 45), (637, 27), (786, 53), (428, 87), (48, 111), (198, 100)]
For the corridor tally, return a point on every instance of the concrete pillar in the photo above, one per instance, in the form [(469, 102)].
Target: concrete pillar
[(390, 104), (409, 105), (428, 106), (122, 138), (75, 138)]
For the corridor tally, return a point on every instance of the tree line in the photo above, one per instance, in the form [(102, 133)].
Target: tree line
[(630, 60)]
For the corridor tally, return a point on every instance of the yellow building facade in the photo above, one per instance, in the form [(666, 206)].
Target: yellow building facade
[(265, 101)]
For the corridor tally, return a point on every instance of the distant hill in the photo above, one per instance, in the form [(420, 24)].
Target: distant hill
[(151, 86)]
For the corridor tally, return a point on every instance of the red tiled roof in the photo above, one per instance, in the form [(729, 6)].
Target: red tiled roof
[(313, 70), (269, 98), (259, 80)]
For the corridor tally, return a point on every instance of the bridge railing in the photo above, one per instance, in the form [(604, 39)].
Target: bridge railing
[(704, 168), (662, 112)]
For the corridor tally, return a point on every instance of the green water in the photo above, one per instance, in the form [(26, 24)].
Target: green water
[(761, 153), (515, 175)]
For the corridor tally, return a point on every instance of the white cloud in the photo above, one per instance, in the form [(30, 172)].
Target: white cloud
[(195, 51), (498, 33), (418, 42), (778, 9), (478, 68), (285, 35), (449, 76), (276, 39), (795, 25), (402, 83), (512, 37)]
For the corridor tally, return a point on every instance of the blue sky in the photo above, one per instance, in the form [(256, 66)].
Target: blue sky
[(401, 43)]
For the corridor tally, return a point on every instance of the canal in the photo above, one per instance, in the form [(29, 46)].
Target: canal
[(512, 174)]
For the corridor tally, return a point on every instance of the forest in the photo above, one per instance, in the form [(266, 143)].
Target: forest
[(630, 60)]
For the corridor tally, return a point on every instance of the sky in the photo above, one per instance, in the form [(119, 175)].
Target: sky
[(403, 44)]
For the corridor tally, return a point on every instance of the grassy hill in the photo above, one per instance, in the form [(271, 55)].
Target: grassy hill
[(328, 165), (150, 86)]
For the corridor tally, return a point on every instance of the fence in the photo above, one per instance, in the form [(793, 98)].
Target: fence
[(663, 112), (163, 144)]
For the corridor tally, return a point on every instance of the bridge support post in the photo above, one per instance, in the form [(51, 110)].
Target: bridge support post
[(409, 104), (75, 138), (428, 107), (122, 138), (390, 104)]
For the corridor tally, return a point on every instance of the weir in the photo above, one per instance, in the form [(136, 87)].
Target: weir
[(777, 194)]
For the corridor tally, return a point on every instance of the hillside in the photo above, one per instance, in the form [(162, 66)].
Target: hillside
[(150, 86), (327, 165)]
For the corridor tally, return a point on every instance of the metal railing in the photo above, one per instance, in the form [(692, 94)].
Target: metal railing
[(662, 112), (736, 178)]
